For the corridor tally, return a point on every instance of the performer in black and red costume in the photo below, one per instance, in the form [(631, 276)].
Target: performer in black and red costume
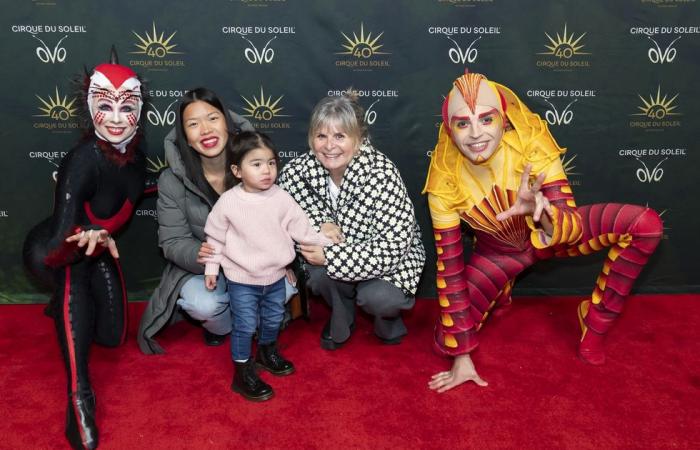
[(99, 182)]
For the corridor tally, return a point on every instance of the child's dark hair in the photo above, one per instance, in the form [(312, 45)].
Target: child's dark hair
[(239, 146)]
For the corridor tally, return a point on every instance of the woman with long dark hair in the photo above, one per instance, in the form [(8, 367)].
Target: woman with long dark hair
[(187, 190)]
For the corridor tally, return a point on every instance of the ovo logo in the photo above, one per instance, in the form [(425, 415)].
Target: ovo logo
[(554, 117), (658, 56), (157, 118), (362, 46), (459, 56), (657, 108), (57, 108), (370, 114), (647, 176), (255, 56), (48, 55), (263, 108), (564, 46), (154, 45)]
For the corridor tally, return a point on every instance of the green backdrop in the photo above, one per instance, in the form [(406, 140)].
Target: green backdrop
[(617, 81)]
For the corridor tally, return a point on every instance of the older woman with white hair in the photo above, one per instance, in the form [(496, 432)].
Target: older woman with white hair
[(343, 179)]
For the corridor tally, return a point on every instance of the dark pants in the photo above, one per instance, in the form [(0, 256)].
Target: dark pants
[(377, 297)]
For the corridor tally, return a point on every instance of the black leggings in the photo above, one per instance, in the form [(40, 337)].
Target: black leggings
[(88, 304)]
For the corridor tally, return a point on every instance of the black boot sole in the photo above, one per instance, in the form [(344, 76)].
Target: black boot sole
[(279, 373), (252, 398), (330, 344)]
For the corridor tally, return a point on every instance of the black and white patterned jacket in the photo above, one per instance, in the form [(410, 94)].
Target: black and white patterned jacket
[(374, 212)]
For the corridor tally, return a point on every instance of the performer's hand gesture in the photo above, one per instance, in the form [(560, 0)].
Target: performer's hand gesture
[(530, 202), (463, 370), (92, 238)]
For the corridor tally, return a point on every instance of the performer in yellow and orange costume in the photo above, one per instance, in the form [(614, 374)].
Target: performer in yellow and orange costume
[(482, 171)]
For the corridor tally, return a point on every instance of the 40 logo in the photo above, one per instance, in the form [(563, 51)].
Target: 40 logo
[(263, 108), (154, 45), (657, 107), (565, 46), (57, 108), (363, 46)]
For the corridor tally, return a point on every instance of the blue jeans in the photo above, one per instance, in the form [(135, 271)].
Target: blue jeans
[(248, 304), (211, 307)]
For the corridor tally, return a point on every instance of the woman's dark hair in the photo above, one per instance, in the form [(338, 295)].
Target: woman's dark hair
[(243, 143), (190, 158)]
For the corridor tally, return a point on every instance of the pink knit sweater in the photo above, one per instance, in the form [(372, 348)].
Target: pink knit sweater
[(253, 234)]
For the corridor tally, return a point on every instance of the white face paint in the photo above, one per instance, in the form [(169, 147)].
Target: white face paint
[(115, 112)]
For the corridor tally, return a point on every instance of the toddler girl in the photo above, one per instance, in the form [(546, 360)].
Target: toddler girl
[(253, 227)]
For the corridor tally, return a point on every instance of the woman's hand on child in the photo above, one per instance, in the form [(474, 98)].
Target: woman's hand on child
[(210, 282), (291, 277), (313, 254), (205, 251), (332, 232)]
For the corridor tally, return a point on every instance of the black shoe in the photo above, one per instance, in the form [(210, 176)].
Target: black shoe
[(269, 358), (327, 342), (213, 340), (81, 430), (393, 341), (247, 382), (51, 308)]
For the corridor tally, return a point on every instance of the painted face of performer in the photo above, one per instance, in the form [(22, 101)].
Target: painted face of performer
[(114, 100), (205, 128), (474, 115), (477, 134)]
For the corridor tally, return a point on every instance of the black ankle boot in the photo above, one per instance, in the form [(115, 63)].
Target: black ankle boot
[(269, 358), (81, 430), (247, 382), (212, 339)]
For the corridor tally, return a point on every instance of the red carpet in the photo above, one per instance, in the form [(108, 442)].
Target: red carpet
[(367, 395)]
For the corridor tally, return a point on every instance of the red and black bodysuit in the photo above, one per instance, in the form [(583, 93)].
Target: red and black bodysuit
[(488, 143), (99, 182)]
